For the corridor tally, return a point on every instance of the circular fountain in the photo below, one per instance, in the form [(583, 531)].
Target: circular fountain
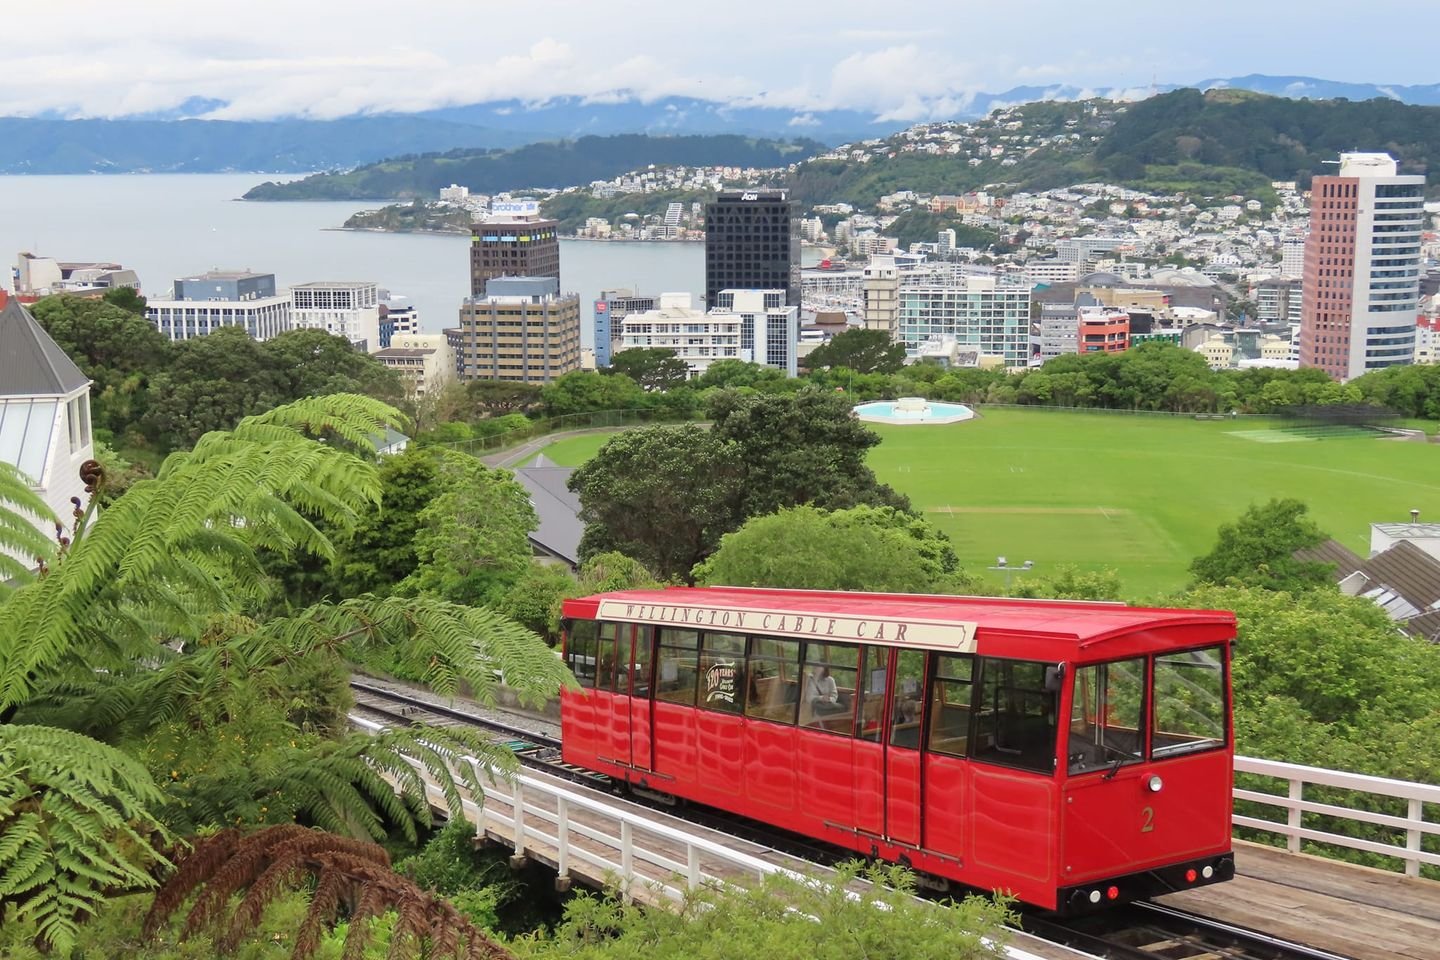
[(911, 410)]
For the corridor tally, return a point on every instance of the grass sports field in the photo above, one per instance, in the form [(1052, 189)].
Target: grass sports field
[(1141, 495)]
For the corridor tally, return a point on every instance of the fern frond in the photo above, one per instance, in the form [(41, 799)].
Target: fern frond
[(265, 865), (75, 826), (21, 541)]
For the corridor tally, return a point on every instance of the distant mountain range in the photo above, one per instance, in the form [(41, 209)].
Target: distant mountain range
[(180, 140)]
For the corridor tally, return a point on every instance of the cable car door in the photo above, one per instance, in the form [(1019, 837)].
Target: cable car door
[(905, 726), (642, 752)]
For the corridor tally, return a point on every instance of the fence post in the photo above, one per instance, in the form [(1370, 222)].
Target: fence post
[(562, 836), (1412, 838), (692, 866), (1293, 815), (627, 859), (518, 798)]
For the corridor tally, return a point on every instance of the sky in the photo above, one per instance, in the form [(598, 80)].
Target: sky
[(330, 58)]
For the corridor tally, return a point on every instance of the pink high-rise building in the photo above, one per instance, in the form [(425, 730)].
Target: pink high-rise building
[(1362, 267)]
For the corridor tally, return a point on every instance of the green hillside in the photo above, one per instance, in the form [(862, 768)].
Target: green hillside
[(1202, 144), (558, 164)]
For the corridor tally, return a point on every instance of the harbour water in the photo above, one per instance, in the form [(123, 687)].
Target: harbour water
[(165, 226)]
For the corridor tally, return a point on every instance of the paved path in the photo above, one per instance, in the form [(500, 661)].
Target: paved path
[(515, 455)]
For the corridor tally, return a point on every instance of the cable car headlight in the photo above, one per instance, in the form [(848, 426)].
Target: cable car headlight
[(1155, 783)]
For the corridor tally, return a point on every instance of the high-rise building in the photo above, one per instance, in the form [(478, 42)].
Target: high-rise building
[(222, 298), (1362, 267), (752, 242), (522, 330), (349, 309), (610, 308), (881, 291), (1292, 257), (514, 242)]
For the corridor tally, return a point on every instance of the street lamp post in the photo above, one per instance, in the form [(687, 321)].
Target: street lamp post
[(1001, 564)]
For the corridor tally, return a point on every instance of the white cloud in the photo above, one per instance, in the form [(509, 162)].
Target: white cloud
[(289, 57)]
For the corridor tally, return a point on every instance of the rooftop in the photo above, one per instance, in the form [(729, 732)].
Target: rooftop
[(32, 364), (226, 275), (333, 285)]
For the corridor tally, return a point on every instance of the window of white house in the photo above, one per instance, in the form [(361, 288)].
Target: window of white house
[(77, 417)]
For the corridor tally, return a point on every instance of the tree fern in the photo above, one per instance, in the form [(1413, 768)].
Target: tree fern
[(233, 877), (75, 827), (21, 541)]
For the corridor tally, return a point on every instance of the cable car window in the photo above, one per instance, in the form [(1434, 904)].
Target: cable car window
[(580, 651), (1107, 716), (908, 702), (950, 704), (773, 672), (875, 669), (1190, 707), (640, 664), (1014, 715), (677, 659), (605, 656), (722, 670), (827, 694)]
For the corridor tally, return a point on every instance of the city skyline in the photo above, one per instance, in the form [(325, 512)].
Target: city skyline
[(307, 62)]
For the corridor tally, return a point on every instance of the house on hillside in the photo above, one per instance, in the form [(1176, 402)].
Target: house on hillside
[(44, 412)]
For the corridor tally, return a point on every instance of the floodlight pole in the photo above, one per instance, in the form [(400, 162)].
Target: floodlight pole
[(1001, 564)]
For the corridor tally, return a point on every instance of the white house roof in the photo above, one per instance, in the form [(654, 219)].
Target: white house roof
[(32, 364)]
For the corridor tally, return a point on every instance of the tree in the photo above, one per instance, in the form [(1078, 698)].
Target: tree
[(238, 876), (118, 349), (807, 548), (662, 495), (380, 550), (126, 298), (536, 599), (309, 363), (1071, 583), (1259, 548), (782, 916), (499, 397), (131, 635), (740, 373), (585, 391), (651, 368), (864, 351), (802, 448), (472, 541)]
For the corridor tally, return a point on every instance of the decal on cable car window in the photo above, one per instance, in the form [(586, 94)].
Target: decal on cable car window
[(720, 682)]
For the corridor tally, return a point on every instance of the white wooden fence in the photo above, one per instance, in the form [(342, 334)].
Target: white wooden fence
[(1295, 805)]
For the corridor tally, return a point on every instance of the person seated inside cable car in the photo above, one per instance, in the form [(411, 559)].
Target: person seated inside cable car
[(823, 694)]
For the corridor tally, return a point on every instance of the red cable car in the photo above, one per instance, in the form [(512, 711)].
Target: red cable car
[(1071, 754)]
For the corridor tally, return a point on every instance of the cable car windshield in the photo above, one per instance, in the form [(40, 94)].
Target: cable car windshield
[(1190, 706), (1107, 716)]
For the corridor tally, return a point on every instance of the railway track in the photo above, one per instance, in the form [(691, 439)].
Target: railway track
[(1152, 931), (1136, 931)]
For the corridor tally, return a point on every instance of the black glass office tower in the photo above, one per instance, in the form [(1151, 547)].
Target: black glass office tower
[(752, 242)]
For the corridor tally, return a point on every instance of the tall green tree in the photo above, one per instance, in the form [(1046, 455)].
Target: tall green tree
[(802, 448), (472, 541), (864, 351), (663, 495), (652, 369), (585, 391), (380, 550), (859, 549), (1258, 550)]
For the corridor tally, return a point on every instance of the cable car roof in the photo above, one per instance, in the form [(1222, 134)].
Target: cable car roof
[(1067, 627)]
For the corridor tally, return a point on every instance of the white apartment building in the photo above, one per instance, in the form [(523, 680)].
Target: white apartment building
[(1051, 271), (1292, 257), (881, 290), (697, 338), (424, 361), (349, 309), (750, 325), (201, 304), (977, 311)]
